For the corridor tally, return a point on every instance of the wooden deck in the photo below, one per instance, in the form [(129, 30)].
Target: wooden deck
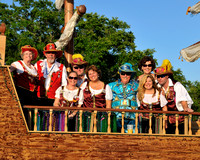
[(17, 143)]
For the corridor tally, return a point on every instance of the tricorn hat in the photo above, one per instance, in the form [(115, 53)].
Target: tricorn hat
[(29, 48), (50, 47)]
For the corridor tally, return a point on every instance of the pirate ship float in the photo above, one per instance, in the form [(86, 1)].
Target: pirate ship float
[(20, 140)]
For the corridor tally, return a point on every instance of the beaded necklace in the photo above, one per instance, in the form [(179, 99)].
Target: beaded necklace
[(129, 91)]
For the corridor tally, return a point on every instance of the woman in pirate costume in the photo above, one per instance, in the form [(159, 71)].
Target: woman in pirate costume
[(96, 95), (25, 75), (69, 96), (149, 97)]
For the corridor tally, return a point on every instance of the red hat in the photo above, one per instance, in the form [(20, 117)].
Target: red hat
[(29, 48), (50, 47)]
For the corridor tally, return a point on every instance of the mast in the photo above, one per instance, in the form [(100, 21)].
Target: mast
[(2, 44), (69, 49)]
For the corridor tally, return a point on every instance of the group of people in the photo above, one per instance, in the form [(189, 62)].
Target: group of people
[(47, 83)]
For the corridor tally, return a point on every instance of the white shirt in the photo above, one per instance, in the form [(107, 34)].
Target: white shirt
[(95, 92), (70, 94), (47, 72), (181, 95), (149, 99), (19, 68)]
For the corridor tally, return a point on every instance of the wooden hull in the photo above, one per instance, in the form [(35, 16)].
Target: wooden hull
[(17, 143)]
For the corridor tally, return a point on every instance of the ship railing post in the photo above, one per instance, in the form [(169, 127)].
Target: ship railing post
[(50, 119), (122, 129), (177, 130), (136, 123), (150, 123), (66, 121), (35, 119), (95, 121), (109, 129), (164, 124), (80, 121), (190, 124), (160, 124), (186, 124)]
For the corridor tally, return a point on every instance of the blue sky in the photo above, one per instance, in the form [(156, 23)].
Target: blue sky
[(156, 24)]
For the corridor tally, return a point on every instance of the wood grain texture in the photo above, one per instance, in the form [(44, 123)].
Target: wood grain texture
[(17, 143)]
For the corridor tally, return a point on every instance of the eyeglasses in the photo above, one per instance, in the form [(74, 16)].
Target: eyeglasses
[(75, 78), (127, 73), (161, 76), (79, 66), (147, 65)]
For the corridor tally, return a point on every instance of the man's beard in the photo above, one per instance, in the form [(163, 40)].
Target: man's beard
[(82, 74), (51, 60)]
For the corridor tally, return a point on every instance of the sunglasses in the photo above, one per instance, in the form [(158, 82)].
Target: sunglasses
[(79, 66), (147, 65), (161, 76), (75, 78), (127, 73)]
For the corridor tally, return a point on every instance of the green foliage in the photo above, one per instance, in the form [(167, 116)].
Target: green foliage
[(106, 43), (30, 22), (194, 91)]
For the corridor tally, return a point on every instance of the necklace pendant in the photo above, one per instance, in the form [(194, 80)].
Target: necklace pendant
[(124, 102)]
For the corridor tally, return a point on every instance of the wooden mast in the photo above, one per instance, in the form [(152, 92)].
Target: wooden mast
[(2, 43), (69, 49)]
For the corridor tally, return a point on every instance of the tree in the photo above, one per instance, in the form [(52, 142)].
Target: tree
[(30, 22), (107, 43), (104, 42)]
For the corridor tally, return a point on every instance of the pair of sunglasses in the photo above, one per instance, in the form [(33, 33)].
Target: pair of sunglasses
[(147, 65), (79, 66), (75, 78), (127, 73), (161, 76)]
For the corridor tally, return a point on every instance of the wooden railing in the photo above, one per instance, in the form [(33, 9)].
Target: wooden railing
[(161, 116)]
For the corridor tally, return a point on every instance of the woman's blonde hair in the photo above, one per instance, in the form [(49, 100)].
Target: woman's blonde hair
[(141, 89)]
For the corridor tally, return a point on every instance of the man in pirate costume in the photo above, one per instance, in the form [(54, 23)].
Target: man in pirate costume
[(124, 96), (52, 75), (175, 93), (79, 65)]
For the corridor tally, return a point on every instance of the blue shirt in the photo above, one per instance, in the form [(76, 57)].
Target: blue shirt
[(124, 97)]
